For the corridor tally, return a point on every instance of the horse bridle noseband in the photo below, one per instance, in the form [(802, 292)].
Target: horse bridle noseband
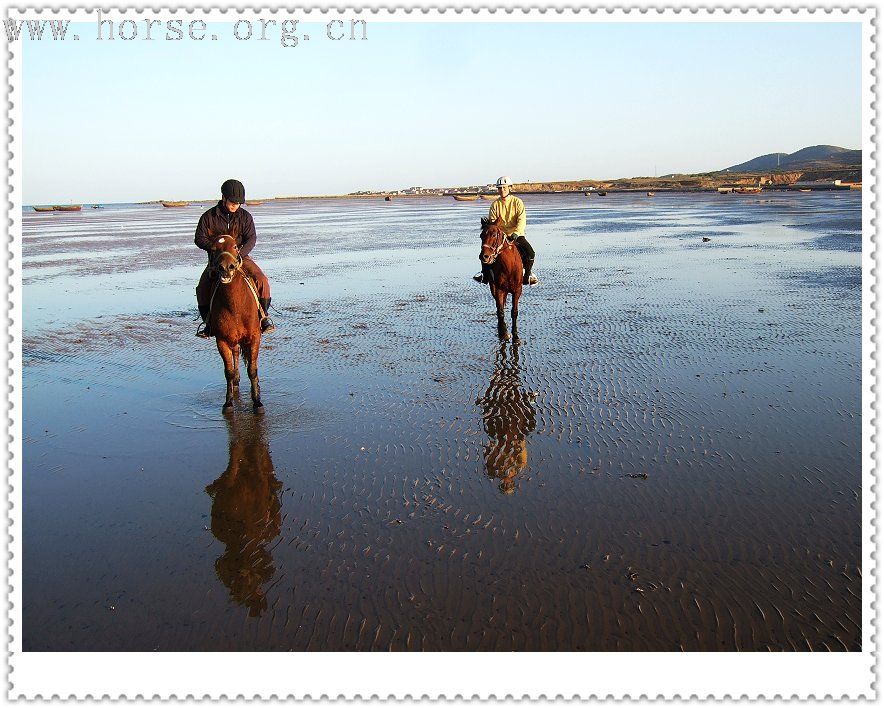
[(504, 242)]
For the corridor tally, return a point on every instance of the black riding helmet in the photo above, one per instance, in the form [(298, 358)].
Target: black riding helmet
[(233, 191)]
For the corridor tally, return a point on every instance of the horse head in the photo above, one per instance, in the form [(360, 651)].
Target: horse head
[(493, 240), (225, 258)]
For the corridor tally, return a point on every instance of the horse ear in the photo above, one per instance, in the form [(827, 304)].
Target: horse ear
[(484, 222)]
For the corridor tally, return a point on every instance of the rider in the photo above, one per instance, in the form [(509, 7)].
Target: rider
[(228, 217), (511, 210)]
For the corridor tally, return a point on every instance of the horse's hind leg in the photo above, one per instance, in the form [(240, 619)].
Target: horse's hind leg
[(500, 297), (230, 369), (251, 349), (516, 297)]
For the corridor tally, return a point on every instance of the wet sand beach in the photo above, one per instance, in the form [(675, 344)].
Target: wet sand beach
[(670, 459)]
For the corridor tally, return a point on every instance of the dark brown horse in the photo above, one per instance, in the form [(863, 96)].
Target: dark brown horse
[(499, 252), (246, 513), (509, 418), (234, 319)]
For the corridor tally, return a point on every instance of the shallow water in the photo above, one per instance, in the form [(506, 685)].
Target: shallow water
[(671, 458)]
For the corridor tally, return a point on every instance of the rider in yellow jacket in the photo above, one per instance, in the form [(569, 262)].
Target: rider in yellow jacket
[(511, 210)]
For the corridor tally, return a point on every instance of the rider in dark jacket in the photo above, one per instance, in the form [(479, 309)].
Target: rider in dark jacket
[(228, 217)]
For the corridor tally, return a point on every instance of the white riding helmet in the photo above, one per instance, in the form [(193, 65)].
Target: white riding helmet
[(504, 182)]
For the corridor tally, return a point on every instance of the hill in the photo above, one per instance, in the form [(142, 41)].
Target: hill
[(818, 157)]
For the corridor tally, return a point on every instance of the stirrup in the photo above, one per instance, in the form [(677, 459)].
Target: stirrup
[(203, 331), (267, 326)]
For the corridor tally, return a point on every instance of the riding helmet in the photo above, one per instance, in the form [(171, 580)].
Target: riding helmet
[(504, 182), (233, 191)]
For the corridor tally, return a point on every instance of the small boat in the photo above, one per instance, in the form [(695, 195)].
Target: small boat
[(725, 190), (747, 190), (489, 197), (388, 198), (805, 190), (466, 197), (174, 204), (44, 208), (602, 193), (97, 206), (67, 207), (650, 194), (254, 203)]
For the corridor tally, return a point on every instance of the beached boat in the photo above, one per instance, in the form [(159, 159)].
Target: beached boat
[(805, 190), (466, 197), (650, 194), (254, 203), (725, 190), (174, 204), (747, 190), (67, 207), (602, 193), (43, 208), (489, 197)]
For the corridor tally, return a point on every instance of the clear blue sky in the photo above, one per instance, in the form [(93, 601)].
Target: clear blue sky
[(426, 104)]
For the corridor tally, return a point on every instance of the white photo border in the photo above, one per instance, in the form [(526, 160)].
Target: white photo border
[(534, 675)]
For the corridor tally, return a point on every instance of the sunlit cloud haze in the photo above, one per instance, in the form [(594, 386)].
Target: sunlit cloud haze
[(427, 105)]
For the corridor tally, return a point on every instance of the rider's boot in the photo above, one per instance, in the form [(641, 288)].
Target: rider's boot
[(267, 325), (486, 275), (203, 330), (529, 279)]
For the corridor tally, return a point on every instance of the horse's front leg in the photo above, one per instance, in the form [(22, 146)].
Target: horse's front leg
[(500, 298), (230, 366), (251, 349), (516, 297), (236, 369)]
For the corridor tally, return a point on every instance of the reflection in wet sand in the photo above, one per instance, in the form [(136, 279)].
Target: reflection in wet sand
[(508, 417), (246, 513)]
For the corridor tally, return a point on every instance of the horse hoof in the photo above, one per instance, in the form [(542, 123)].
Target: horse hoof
[(227, 407), (258, 407), (504, 338)]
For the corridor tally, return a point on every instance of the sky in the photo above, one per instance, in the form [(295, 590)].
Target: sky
[(425, 104)]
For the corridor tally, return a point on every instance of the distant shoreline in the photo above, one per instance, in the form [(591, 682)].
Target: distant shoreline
[(814, 180)]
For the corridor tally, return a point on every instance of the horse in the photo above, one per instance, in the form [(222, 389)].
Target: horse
[(509, 418), (234, 318), (500, 253), (246, 513)]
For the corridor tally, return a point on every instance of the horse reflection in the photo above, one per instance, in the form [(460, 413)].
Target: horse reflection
[(246, 514), (508, 416)]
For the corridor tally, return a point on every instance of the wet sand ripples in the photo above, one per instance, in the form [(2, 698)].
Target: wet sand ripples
[(670, 460)]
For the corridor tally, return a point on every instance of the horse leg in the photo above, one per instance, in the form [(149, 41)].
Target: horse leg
[(251, 349), (230, 366), (500, 297), (515, 316), (236, 368)]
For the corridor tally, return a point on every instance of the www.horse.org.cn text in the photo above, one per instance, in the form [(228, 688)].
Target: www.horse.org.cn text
[(286, 32)]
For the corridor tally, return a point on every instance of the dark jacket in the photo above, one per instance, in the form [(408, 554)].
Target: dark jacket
[(217, 221)]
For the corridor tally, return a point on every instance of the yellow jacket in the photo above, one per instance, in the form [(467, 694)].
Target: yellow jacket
[(512, 210)]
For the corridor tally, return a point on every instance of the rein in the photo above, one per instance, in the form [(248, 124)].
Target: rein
[(239, 271)]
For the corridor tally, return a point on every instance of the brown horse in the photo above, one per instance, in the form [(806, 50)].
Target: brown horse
[(499, 252), (246, 513), (234, 319), (509, 418)]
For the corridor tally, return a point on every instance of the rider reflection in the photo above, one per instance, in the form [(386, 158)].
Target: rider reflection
[(246, 514), (508, 416)]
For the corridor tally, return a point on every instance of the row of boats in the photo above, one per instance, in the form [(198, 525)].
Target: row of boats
[(170, 205)]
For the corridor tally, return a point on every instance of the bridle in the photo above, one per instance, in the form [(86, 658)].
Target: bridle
[(216, 259), (496, 244)]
